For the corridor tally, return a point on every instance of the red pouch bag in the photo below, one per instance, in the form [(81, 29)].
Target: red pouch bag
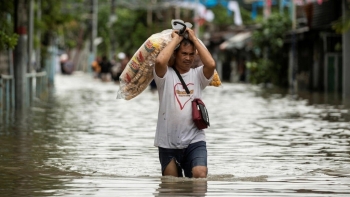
[(200, 114)]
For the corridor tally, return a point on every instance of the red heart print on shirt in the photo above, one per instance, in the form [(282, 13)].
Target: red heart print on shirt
[(181, 96)]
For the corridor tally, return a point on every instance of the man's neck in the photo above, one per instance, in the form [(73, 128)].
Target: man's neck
[(181, 71)]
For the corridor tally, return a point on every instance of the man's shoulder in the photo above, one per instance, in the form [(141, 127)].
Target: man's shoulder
[(197, 69)]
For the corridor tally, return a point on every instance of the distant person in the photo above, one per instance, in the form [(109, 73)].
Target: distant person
[(242, 70), (105, 69), (63, 60), (115, 68), (96, 68), (120, 62), (124, 61), (67, 65)]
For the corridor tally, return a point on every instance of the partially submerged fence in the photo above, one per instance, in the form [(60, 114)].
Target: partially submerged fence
[(7, 92), (37, 87)]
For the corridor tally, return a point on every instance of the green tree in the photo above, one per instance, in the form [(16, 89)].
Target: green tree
[(272, 32), (130, 30), (57, 20), (222, 18), (8, 39), (269, 40), (62, 21), (343, 23)]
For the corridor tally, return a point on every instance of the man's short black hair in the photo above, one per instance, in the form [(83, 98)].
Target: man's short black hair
[(184, 42)]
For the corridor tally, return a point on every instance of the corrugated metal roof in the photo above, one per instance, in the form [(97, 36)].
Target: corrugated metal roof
[(324, 14), (238, 41)]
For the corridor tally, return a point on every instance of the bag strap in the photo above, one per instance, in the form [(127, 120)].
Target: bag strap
[(182, 81)]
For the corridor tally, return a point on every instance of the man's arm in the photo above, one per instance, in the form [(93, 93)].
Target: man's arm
[(204, 54), (161, 64)]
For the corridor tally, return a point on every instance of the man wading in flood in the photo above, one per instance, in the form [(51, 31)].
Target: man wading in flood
[(181, 145)]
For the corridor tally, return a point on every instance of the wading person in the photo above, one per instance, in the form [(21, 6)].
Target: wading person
[(181, 145)]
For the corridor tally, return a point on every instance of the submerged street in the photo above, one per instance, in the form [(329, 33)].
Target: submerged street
[(85, 142)]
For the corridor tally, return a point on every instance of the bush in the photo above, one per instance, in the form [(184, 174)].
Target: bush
[(260, 71)]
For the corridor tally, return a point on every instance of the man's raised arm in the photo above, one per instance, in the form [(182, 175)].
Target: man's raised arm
[(161, 64), (204, 54)]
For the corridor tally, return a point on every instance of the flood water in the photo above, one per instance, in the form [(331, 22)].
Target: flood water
[(82, 141)]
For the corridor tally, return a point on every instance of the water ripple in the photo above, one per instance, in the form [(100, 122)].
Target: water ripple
[(84, 141)]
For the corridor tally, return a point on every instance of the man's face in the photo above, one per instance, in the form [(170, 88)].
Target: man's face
[(184, 57)]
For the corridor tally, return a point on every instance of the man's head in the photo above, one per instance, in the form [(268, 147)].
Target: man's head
[(184, 55)]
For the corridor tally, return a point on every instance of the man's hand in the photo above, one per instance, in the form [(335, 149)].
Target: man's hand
[(191, 35), (206, 58), (164, 55), (175, 36)]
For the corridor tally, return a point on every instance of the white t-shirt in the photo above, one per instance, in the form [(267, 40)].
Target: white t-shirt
[(175, 127)]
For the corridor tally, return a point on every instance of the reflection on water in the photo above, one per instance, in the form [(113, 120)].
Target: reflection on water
[(181, 187), (84, 142), (174, 186)]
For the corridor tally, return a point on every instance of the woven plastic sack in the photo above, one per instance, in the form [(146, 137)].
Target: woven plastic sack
[(138, 72)]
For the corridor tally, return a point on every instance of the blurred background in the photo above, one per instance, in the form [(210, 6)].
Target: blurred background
[(299, 45), (280, 122)]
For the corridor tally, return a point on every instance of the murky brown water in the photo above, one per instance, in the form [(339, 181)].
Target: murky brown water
[(84, 142)]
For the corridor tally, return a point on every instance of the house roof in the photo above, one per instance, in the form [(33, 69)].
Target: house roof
[(237, 41)]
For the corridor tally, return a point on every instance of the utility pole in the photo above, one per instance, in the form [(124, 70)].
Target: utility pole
[(112, 19), (93, 16), (20, 53), (30, 48), (38, 50), (281, 6), (196, 18), (30, 34), (346, 59), (292, 70), (267, 12), (267, 8)]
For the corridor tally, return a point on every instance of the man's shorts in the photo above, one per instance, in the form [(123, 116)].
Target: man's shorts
[(194, 155)]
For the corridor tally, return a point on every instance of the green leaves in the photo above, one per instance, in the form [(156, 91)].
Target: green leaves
[(260, 71), (222, 18), (129, 32), (7, 40), (62, 18), (342, 24), (272, 32), (269, 39)]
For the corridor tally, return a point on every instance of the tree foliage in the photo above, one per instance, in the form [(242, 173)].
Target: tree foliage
[(225, 18), (222, 17), (8, 39), (56, 20), (269, 39), (59, 25), (260, 71), (62, 19), (272, 32), (343, 23), (129, 32), (131, 29)]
